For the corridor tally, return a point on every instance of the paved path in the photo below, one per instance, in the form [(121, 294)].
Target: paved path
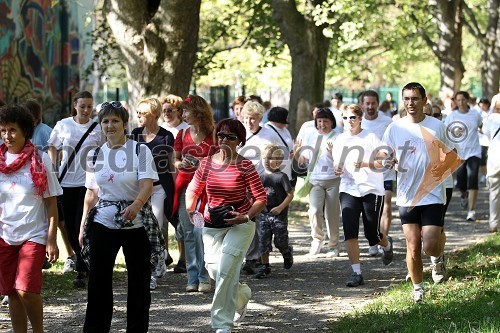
[(304, 298)]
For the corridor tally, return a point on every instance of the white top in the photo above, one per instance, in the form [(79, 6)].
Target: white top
[(467, 143), (416, 151), (349, 149), (23, 215), (66, 135), (378, 127), (483, 139), (286, 166), (305, 130), (116, 174), (176, 129), (255, 145), (338, 119), (317, 144), (489, 129)]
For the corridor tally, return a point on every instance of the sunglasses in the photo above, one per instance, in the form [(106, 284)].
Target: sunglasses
[(437, 115), (229, 136), (350, 117), (116, 105)]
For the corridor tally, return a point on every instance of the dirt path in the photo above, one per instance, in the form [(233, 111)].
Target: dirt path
[(304, 298)]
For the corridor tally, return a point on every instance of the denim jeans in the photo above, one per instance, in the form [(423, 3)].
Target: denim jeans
[(193, 243)]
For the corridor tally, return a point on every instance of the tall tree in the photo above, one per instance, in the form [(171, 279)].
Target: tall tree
[(158, 39), (309, 51), (489, 41)]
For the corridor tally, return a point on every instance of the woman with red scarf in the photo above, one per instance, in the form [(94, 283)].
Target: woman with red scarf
[(28, 218), (191, 145)]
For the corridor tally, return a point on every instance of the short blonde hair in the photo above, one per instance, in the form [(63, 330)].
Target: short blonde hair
[(272, 150), (253, 108), (154, 106), (173, 100)]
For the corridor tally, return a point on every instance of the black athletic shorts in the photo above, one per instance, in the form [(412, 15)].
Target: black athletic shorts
[(422, 215)]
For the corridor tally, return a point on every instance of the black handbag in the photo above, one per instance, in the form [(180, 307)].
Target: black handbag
[(219, 214)]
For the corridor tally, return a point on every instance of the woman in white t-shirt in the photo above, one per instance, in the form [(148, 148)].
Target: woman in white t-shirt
[(324, 195), (356, 158), (118, 213), (64, 138), (28, 218)]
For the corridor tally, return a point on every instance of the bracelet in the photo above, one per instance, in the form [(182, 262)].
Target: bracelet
[(248, 218), (140, 200)]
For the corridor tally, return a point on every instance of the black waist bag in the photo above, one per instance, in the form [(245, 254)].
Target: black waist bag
[(219, 214)]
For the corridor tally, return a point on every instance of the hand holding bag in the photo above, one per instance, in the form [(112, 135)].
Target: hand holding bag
[(219, 214)]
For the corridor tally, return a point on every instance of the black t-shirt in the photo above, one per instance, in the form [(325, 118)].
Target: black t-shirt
[(160, 147), (276, 185)]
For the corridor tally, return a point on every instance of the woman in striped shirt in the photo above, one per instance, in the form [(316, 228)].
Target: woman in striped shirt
[(230, 182)]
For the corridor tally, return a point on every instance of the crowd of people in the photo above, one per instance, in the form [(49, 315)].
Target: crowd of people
[(226, 188)]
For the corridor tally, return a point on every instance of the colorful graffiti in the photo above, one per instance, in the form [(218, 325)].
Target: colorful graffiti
[(39, 53)]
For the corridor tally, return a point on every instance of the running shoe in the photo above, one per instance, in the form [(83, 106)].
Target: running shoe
[(152, 283), (439, 269), (355, 280), (373, 250), (471, 215), (262, 272), (418, 295), (389, 254), (332, 252), (287, 258), (69, 264), (205, 287)]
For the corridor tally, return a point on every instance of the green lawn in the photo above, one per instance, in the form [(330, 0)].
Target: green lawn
[(469, 301)]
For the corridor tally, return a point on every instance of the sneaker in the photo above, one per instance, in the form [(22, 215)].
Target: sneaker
[(239, 315), (315, 247), (161, 269), (263, 271), (249, 267), (373, 250), (355, 280), (287, 258), (205, 287), (69, 264), (80, 281), (387, 255), (46, 264), (190, 288), (5, 300), (152, 283), (418, 295), (180, 267), (464, 202), (471, 215), (439, 269), (332, 252), (223, 330), (408, 277), (169, 260)]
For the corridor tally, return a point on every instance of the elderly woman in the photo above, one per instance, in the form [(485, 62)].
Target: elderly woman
[(172, 115), (119, 183), (491, 130), (74, 136), (190, 146), (229, 180), (324, 195), (160, 142), (28, 218)]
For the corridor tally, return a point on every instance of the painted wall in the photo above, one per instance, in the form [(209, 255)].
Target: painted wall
[(42, 53)]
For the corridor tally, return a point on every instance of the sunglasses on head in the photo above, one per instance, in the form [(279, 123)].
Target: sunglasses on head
[(350, 117), (116, 105), (436, 115), (229, 136)]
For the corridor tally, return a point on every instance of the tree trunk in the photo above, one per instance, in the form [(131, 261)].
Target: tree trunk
[(490, 60), (158, 39), (309, 51)]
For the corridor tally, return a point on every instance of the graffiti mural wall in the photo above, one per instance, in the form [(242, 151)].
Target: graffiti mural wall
[(42, 53)]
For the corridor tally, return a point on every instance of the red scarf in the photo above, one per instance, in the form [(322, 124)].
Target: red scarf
[(37, 169)]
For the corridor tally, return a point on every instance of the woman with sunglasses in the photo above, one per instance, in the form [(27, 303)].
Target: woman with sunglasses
[(229, 180), (64, 139), (160, 142), (117, 214), (361, 188), (324, 195), (28, 218), (191, 145)]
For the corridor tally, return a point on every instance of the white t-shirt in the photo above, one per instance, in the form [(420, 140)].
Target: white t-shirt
[(316, 144), (305, 130), (415, 146), (286, 166), (490, 127), (175, 130), (255, 145), (468, 143), (66, 135), (116, 174), (23, 215), (337, 114), (363, 181), (483, 139), (378, 127)]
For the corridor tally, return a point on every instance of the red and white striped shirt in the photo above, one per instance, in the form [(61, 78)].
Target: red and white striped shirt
[(234, 184)]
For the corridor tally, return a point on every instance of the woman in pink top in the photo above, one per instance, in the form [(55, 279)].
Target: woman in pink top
[(231, 184)]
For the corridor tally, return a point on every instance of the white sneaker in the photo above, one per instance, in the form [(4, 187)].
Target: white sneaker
[(373, 250), (223, 330), (152, 283), (333, 252), (418, 295), (161, 269), (205, 287), (315, 247), (240, 314), (439, 269), (471, 215), (69, 264)]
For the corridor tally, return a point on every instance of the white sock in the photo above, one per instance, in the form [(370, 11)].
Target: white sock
[(418, 286), (356, 268), (435, 260)]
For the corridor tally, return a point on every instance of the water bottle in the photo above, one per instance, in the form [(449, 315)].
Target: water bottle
[(197, 219)]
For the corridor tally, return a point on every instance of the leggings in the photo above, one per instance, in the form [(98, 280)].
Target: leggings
[(467, 174)]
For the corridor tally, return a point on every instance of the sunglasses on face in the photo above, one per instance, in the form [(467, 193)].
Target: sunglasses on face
[(116, 105), (437, 115), (350, 117), (229, 136)]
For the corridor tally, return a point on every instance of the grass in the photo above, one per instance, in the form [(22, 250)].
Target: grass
[(469, 301)]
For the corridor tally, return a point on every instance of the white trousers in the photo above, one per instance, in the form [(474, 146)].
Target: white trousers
[(494, 188)]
